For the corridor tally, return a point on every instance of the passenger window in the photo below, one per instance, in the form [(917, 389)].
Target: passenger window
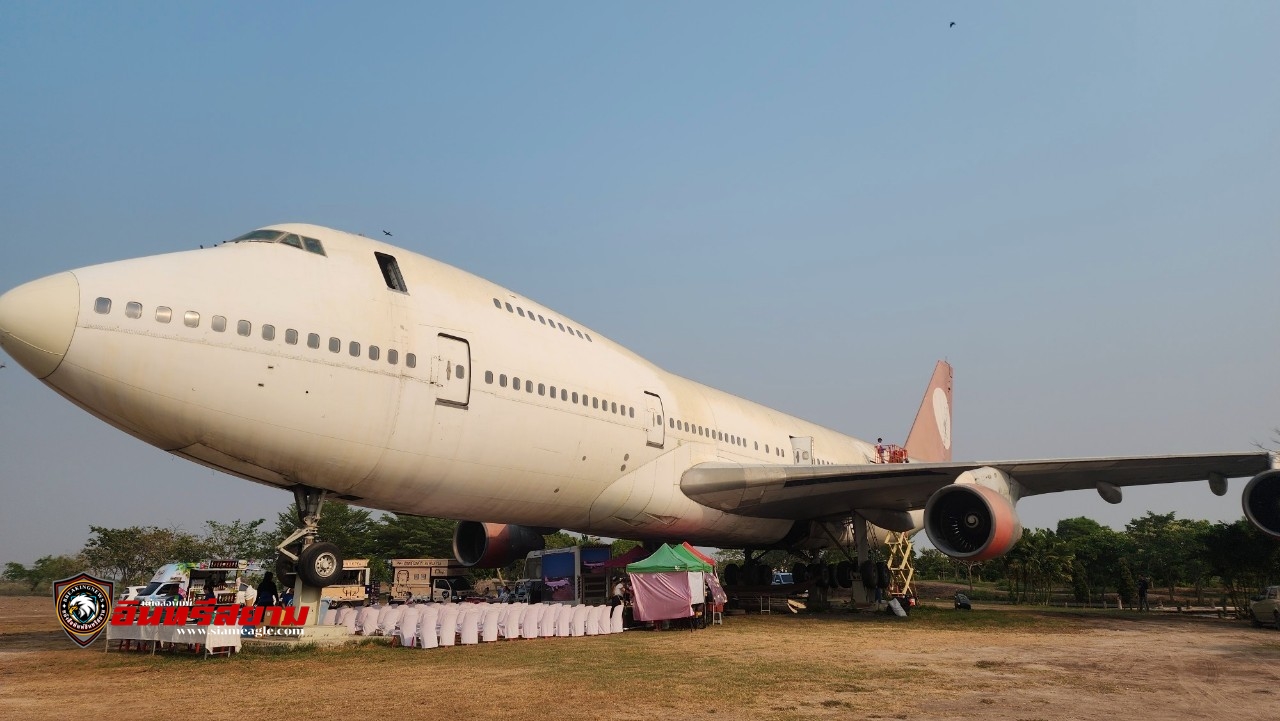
[(613, 408), (542, 389), (354, 349), (410, 360), (268, 332), (313, 340), (671, 422), (488, 377), (579, 333), (391, 272), (631, 412), (163, 314), (541, 319), (595, 402), (133, 309), (588, 337), (244, 328), (102, 306), (508, 307), (528, 386), (459, 372), (335, 345), (520, 311), (502, 380), (564, 394), (393, 356), (553, 392), (757, 445), (191, 318), (291, 336), (497, 304), (515, 382), (313, 245), (561, 326), (219, 323), (575, 398)]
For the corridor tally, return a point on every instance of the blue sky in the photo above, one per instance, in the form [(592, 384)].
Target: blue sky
[(804, 205)]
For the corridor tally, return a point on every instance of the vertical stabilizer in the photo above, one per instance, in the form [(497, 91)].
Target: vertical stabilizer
[(930, 437)]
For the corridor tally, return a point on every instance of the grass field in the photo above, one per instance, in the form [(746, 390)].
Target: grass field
[(938, 664)]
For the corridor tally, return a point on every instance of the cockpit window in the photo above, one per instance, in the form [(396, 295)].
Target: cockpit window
[(279, 236), (259, 236)]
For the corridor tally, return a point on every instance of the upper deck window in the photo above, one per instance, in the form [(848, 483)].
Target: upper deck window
[(259, 236)]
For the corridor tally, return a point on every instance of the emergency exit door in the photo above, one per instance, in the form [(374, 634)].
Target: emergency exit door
[(451, 371)]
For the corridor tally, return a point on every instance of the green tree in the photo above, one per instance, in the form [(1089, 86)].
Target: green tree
[(238, 539), (1098, 552), (405, 536), (132, 554), (45, 571)]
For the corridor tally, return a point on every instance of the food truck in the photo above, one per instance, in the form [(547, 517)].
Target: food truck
[(353, 585), (185, 582)]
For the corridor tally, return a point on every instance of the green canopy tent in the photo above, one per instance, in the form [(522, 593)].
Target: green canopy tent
[(667, 584)]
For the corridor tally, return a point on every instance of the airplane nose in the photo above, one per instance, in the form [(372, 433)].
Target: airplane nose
[(37, 320)]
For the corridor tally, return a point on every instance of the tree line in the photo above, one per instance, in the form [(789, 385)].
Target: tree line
[(1092, 562), (131, 555)]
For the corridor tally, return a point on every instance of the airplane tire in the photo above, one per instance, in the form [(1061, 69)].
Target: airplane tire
[(844, 574), (320, 564), (799, 573), (868, 572), (882, 575), (732, 574), (286, 572)]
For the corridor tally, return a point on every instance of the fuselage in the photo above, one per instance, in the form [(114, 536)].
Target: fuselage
[(401, 383)]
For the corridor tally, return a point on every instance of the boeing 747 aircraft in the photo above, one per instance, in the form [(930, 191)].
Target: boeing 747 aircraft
[(341, 367)]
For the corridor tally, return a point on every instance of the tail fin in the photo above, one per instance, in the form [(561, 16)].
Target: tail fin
[(930, 436)]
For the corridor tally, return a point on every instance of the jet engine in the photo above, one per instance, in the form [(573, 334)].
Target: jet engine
[(1261, 502), (971, 522), (493, 545)]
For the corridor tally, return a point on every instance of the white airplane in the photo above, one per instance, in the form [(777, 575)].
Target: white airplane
[(342, 367)]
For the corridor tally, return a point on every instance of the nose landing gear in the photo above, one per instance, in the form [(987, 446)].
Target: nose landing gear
[(301, 555)]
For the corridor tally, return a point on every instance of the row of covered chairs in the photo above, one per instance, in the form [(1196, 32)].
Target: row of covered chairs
[(428, 625)]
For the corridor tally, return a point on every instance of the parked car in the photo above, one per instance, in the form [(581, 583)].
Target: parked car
[(1266, 608)]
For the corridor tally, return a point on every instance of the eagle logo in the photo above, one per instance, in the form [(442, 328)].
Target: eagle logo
[(83, 605)]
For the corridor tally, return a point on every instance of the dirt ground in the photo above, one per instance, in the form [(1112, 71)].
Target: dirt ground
[(938, 664)]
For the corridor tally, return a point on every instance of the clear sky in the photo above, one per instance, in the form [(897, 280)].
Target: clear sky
[(804, 204)]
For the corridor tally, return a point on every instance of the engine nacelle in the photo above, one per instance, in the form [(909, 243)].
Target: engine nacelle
[(1261, 501), (493, 545), (971, 522)]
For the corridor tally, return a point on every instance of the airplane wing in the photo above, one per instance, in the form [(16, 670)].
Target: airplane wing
[(803, 492)]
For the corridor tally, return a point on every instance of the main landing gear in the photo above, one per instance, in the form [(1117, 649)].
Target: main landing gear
[(317, 563)]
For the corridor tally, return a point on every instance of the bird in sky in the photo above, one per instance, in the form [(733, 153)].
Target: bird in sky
[(953, 24), (386, 232)]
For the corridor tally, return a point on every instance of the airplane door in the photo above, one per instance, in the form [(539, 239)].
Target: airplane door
[(802, 450), (657, 426), (451, 371)]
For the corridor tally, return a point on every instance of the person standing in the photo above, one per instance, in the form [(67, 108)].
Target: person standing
[(267, 593), (1143, 586)]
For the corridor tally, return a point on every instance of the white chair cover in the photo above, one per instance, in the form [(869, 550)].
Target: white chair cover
[(592, 626), (532, 621), (347, 617), (564, 621), (615, 621), (330, 617), (448, 625), (489, 625), (579, 624), (469, 624), (547, 623), (511, 623), (409, 625), (428, 618), (367, 620), (388, 619)]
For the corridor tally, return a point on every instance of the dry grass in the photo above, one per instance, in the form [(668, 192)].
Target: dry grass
[(1018, 664)]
